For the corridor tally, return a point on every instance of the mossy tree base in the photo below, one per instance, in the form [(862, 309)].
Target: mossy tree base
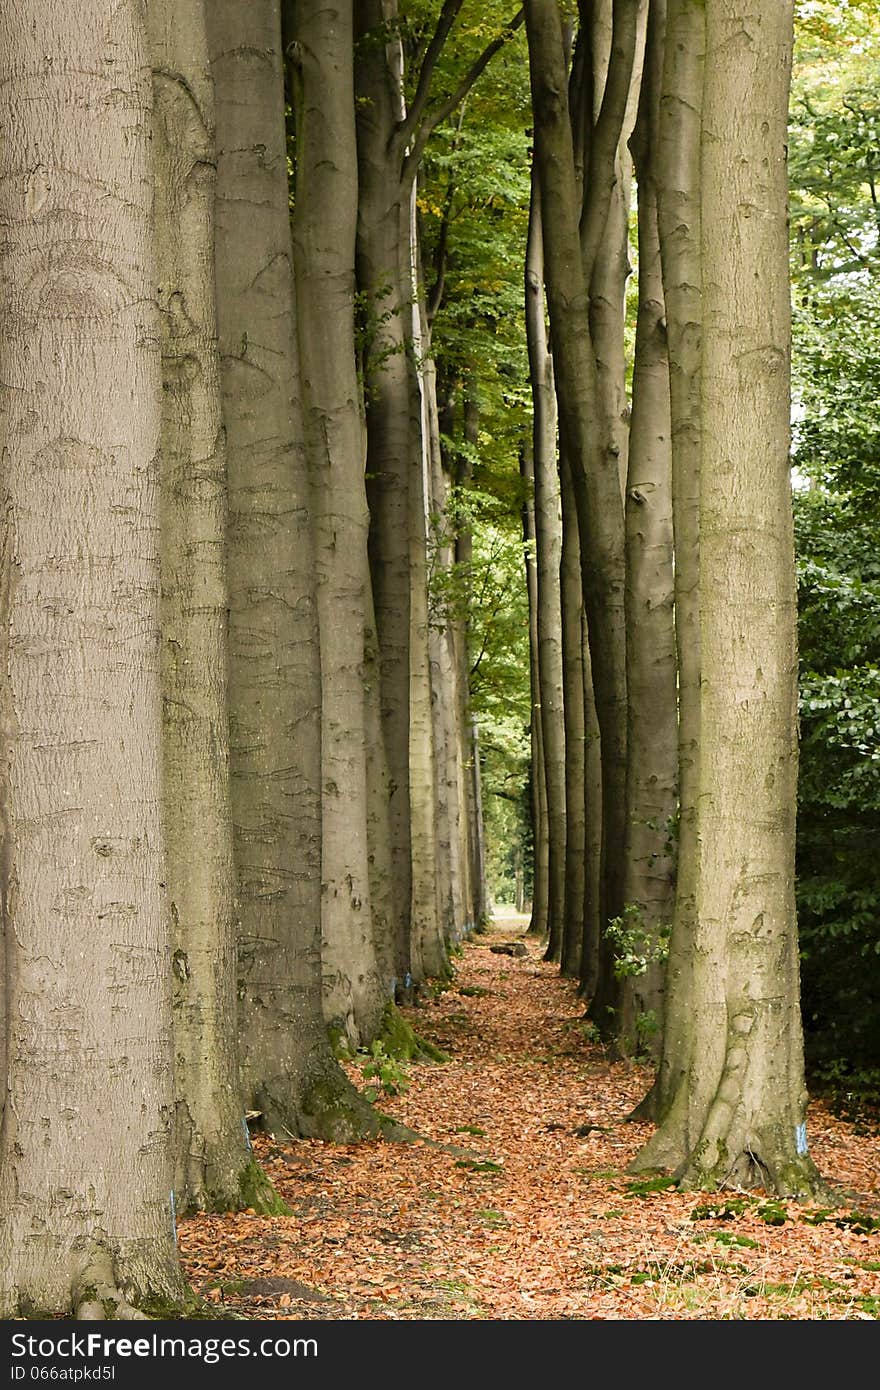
[(401, 1041)]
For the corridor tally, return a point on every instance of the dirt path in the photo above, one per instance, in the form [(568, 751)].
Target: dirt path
[(542, 1221)]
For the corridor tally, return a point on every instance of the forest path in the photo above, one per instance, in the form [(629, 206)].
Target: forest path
[(543, 1222)]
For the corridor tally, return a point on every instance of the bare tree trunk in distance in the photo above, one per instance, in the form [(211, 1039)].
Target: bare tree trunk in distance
[(592, 944), (429, 948), (538, 784), (289, 1073), (464, 549), (741, 1121), (86, 1157), (577, 878), (548, 548)]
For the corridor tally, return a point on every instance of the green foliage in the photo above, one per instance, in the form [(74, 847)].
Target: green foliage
[(725, 1209), (389, 1075), (636, 947), (473, 200), (835, 162)]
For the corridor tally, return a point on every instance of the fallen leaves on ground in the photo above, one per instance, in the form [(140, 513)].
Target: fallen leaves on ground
[(527, 1211)]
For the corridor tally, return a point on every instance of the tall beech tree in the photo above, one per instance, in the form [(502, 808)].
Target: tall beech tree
[(540, 915), (548, 552), (578, 882), (652, 714), (382, 276), (213, 1158), (392, 136), (289, 1073), (738, 1115), (570, 249), (87, 1047), (324, 223), (679, 220)]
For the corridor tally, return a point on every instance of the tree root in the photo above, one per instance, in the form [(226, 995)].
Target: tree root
[(96, 1294)]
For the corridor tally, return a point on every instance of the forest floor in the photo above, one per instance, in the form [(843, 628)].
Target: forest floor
[(529, 1212)]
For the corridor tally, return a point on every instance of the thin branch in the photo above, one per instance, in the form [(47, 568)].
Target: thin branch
[(441, 256), (448, 16), (600, 177), (433, 118)]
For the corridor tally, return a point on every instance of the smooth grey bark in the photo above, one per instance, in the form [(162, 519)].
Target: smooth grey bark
[(580, 888), (652, 695), (464, 546), (289, 1073), (594, 471), (88, 1045), (429, 873), (213, 1158), (679, 219), (610, 269), (738, 1117), (592, 944), (392, 447), (324, 225), (537, 781), (455, 915), (548, 555)]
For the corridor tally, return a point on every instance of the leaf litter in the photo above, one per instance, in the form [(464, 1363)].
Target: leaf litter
[(527, 1211)]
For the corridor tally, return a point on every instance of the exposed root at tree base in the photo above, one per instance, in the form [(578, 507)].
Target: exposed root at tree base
[(98, 1297)]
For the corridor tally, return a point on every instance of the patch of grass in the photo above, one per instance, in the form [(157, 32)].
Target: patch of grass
[(484, 1165), (859, 1222), (470, 1129), (649, 1185), (611, 1215), (817, 1217), (724, 1210), (493, 1217), (728, 1238), (473, 991), (772, 1214)]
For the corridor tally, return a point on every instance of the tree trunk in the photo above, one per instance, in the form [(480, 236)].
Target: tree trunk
[(739, 1118), (592, 945), (464, 546), (427, 870), (652, 729), (594, 471), (679, 224), (455, 916), (324, 224), (392, 452), (548, 550), (537, 780), (611, 268), (289, 1073), (88, 1045), (211, 1143), (577, 879)]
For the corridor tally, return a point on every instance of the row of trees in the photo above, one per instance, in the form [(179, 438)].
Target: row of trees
[(667, 756), (242, 597), (241, 806)]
